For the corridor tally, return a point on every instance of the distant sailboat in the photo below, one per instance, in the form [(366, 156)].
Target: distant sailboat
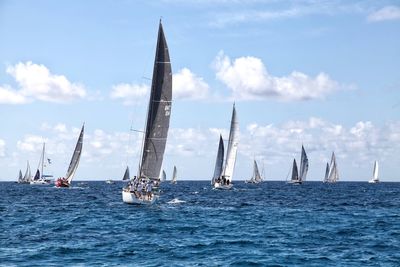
[(143, 189), (333, 174), (73, 165), (126, 174), (256, 178), (20, 178), (26, 179), (375, 178), (295, 172), (163, 176), (301, 177), (174, 176), (326, 173), (224, 179), (40, 177)]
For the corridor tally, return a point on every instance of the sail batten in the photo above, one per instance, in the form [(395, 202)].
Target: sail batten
[(159, 110)]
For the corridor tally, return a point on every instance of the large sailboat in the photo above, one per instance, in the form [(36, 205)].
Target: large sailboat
[(256, 178), (143, 189), (375, 178), (300, 177), (174, 176), (40, 178), (332, 176), (73, 165), (222, 178)]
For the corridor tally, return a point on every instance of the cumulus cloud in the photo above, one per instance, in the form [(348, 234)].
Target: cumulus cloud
[(129, 93), (37, 82), (2, 148), (248, 78), (385, 13), (187, 85)]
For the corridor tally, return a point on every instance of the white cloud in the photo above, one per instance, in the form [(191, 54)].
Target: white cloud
[(37, 82), (10, 96), (129, 93), (385, 13), (187, 85), (2, 148), (248, 78)]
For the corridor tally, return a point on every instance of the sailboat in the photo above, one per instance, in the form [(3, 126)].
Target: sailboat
[(143, 189), (73, 165), (375, 178), (163, 176), (174, 176), (223, 179), (301, 177), (333, 174), (40, 177), (26, 179), (256, 178)]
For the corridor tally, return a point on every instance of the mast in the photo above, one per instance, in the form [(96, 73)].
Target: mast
[(219, 161), (232, 147), (73, 165), (159, 110), (295, 174)]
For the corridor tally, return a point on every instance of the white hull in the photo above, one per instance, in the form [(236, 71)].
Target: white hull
[(373, 181), (295, 182), (40, 182), (130, 198), (222, 187)]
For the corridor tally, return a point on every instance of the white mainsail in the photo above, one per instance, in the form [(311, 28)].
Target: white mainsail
[(174, 175), (232, 147), (27, 177), (333, 175), (73, 165), (164, 176), (257, 176), (303, 165), (20, 178), (375, 177)]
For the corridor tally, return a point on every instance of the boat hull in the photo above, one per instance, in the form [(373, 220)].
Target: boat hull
[(61, 182), (40, 182), (222, 187), (373, 181), (130, 198)]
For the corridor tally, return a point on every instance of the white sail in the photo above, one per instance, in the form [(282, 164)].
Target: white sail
[(73, 165), (375, 177), (174, 175), (232, 147), (20, 177), (257, 176), (27, 176), (333, 175), (164, 176), (303, 165)]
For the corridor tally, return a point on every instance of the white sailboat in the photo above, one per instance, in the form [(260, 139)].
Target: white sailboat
[(256, 178), (143, 189), (163, 176), (26, 179), (301, 177), (20, 177), (333, 174), (73, 165), (375, 178), (174, 176), (40, 177), (224, 178)]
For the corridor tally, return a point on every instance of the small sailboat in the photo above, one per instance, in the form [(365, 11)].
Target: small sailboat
[(174, 176), (109, 181), (223, 179), (326, 172), (333, 174), (20, 177), (73, 165), (301, 177), (126, 174), (295, 173), (143, 189), (40, 177), (375, 178), (163, 176), (26, 179), (256, 178)]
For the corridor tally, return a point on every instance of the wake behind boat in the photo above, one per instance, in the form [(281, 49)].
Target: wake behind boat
[(375, 178), (143, 189), (222, 178), (73, 165)]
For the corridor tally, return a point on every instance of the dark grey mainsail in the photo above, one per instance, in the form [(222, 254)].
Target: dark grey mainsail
[(219, 161), (126, 174), (159, 110), (303, 165), (326, 173), (73, 165), (295, 173)]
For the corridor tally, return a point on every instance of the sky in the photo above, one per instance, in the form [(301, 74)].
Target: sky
[(325, 74)]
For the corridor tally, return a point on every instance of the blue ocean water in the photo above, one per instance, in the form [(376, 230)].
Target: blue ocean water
[(315, 224)]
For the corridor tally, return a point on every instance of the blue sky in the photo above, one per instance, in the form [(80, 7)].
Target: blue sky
[(322, 73)]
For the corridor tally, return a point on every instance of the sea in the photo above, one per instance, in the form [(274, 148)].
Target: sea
[(269, 224)]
